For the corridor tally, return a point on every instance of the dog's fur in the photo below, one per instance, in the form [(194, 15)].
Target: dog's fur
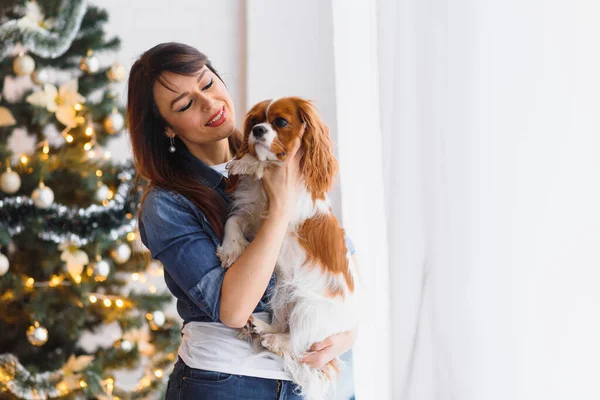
[(316, 291)]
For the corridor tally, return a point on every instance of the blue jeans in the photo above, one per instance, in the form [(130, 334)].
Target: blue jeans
[(187, 383)]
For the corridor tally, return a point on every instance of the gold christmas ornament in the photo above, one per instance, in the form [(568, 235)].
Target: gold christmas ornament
[(6, 117), (116, 73), (114, 122), (23, 65), (37, 334)]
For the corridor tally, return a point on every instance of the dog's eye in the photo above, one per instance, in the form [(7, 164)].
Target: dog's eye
[(280, 122)]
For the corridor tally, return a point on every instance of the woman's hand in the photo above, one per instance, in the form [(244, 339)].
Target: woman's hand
[(281, 183), (323, 352)]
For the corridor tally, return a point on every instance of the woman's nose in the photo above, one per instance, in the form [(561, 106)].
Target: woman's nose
[(206, 102)]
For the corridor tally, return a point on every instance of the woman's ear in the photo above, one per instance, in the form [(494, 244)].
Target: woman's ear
[(169, 132)]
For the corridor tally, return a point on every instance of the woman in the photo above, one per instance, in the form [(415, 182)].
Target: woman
[(182, 126)]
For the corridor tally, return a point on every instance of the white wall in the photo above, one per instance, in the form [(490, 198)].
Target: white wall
[(216, 28), (290, 53)]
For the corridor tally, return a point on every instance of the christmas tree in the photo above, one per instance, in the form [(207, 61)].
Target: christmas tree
[(69, 253)]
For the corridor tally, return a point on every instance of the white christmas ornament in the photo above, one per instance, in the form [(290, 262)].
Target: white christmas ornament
[(10, 181), (101, 270), (23, 65), (41, 76), (158, 317), (114, 122), (37, 334), (90, 64), (43, 196), (101, 193), (4, 264), (122, 253), (116, 73), (126, 345)]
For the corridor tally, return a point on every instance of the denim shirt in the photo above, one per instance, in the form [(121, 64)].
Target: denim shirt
[(180, 237)]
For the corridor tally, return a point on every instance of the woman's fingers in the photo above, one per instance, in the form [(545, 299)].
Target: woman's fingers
[(321, 345), (294, 150), (317, 359)]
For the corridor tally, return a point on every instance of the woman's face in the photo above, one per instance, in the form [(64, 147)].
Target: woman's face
[(199, 109)]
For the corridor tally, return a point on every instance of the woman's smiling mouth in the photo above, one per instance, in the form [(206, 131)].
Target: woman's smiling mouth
[(218, 118)]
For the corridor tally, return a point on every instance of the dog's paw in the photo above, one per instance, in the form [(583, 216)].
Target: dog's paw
[(230, 251), (258, 326), (245, 332), (234, 167), (274, 342), (244, 166)]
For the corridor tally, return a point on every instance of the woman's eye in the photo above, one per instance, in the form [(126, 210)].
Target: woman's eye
[(188, 105), (280, 122), (209, 85)]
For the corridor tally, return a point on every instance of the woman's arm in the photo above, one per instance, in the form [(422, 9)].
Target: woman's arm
[(246, 280)]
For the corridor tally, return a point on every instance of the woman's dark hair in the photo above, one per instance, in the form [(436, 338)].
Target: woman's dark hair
[(147, 127)]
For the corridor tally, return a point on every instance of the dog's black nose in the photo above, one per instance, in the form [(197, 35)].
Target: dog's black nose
[(259, 131)]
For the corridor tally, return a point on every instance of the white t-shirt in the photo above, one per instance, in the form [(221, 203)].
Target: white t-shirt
[(215, 347), (220, 168)]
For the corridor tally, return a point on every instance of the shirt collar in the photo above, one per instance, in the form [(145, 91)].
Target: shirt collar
[(208, 176)]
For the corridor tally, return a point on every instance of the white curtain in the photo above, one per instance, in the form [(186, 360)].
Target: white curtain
[(475, 128)]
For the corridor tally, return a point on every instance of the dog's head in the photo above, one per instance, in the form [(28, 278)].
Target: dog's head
[(270, 129)]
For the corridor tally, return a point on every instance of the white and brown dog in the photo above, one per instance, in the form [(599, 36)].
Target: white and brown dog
[(316, 291)]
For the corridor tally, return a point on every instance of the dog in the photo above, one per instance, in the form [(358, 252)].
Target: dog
[(317, 291)]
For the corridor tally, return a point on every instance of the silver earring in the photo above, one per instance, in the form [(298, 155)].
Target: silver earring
[(172, 146)]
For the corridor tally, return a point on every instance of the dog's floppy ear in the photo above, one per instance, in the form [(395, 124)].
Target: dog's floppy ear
[(244, 148), (319, 165)]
